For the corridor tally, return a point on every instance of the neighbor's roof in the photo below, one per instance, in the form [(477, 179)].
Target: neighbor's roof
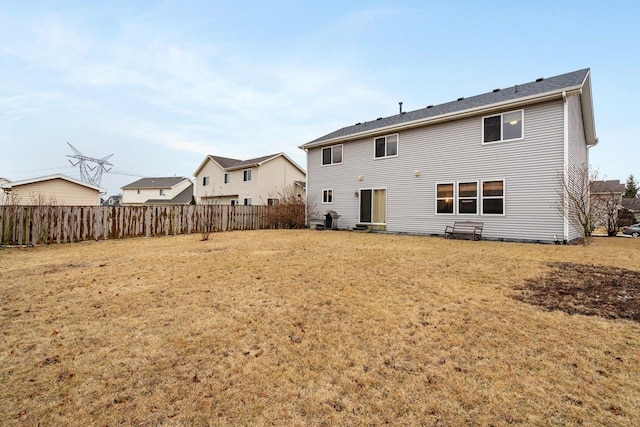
[(184, 198), (229, 164), (533, 91), (609, 186), (52, 177), (168, 182), (631, 203)]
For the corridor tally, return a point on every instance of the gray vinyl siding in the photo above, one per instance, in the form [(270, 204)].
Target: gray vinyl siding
[(578, 154), (453, 152)]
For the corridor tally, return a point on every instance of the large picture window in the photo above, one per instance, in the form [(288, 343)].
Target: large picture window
[(493, 197), (444, 198), (332, 155), (468, 198), (502, 127), (386, 146)]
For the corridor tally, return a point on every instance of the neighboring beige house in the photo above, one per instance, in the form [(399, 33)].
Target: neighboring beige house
[(158, 191), (259, 181), (59, 190)]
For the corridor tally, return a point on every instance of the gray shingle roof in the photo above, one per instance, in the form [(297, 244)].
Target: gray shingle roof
[(609, 186), (184, 198), (167, 182), (633, 204), (538, 87), (228, 163)]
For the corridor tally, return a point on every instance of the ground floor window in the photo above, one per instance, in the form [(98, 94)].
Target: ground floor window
[(493, 197), (327, 196), (373, 205), (444, 198), (470, 198)]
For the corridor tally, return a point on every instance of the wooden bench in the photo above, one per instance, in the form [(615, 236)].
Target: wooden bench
[(464, 229)]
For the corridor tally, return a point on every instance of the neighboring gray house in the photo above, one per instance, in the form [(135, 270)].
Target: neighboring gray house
[(494, 158)]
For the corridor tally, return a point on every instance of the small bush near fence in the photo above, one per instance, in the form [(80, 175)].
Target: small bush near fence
[(44, 224)]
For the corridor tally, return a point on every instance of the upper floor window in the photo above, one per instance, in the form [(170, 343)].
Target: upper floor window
[(386, 146), (332, 155), (162, 192), (138, 191), (227, 177), (502, 127), (205, 181), (246, 175)]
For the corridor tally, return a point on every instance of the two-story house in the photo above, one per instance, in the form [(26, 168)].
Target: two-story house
[(498, 158), (259, 181), (158, 191)]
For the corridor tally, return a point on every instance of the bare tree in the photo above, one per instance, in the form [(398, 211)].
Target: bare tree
[(574, 200), (606, 200)]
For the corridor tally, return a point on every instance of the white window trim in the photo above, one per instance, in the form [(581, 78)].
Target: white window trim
[(455, 199), (504, 197), (502, 140), (224, 178), (332, 196), (244, 175), (332, 163), (397, 135), (205, 181)]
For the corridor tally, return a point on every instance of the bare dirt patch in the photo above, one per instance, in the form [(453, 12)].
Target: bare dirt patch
[(592, 290)]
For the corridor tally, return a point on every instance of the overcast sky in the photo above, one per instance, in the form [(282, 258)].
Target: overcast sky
[(161, 84)]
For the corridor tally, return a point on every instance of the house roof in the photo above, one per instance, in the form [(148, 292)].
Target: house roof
[(184, 198), (520, 94), (631, 203), (229, 164), (166, 182), (609, 186), (9, 185)]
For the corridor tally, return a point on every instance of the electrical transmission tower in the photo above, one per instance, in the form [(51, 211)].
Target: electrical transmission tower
[(90, 174)]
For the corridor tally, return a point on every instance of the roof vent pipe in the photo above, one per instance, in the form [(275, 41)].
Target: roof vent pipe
[(400, 103)]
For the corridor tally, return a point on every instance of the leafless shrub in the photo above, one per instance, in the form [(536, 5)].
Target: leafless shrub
[(45, 216), (574, 201), (288, 210)]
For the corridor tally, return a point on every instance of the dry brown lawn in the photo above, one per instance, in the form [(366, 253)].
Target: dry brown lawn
[(313, 328)]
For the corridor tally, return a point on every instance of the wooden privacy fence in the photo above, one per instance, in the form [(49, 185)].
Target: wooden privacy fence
[(31, 225)]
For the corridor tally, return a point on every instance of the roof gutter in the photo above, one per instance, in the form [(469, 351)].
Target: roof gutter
[(533, 99)]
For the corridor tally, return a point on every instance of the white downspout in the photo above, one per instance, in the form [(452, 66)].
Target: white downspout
[(565, 173)]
